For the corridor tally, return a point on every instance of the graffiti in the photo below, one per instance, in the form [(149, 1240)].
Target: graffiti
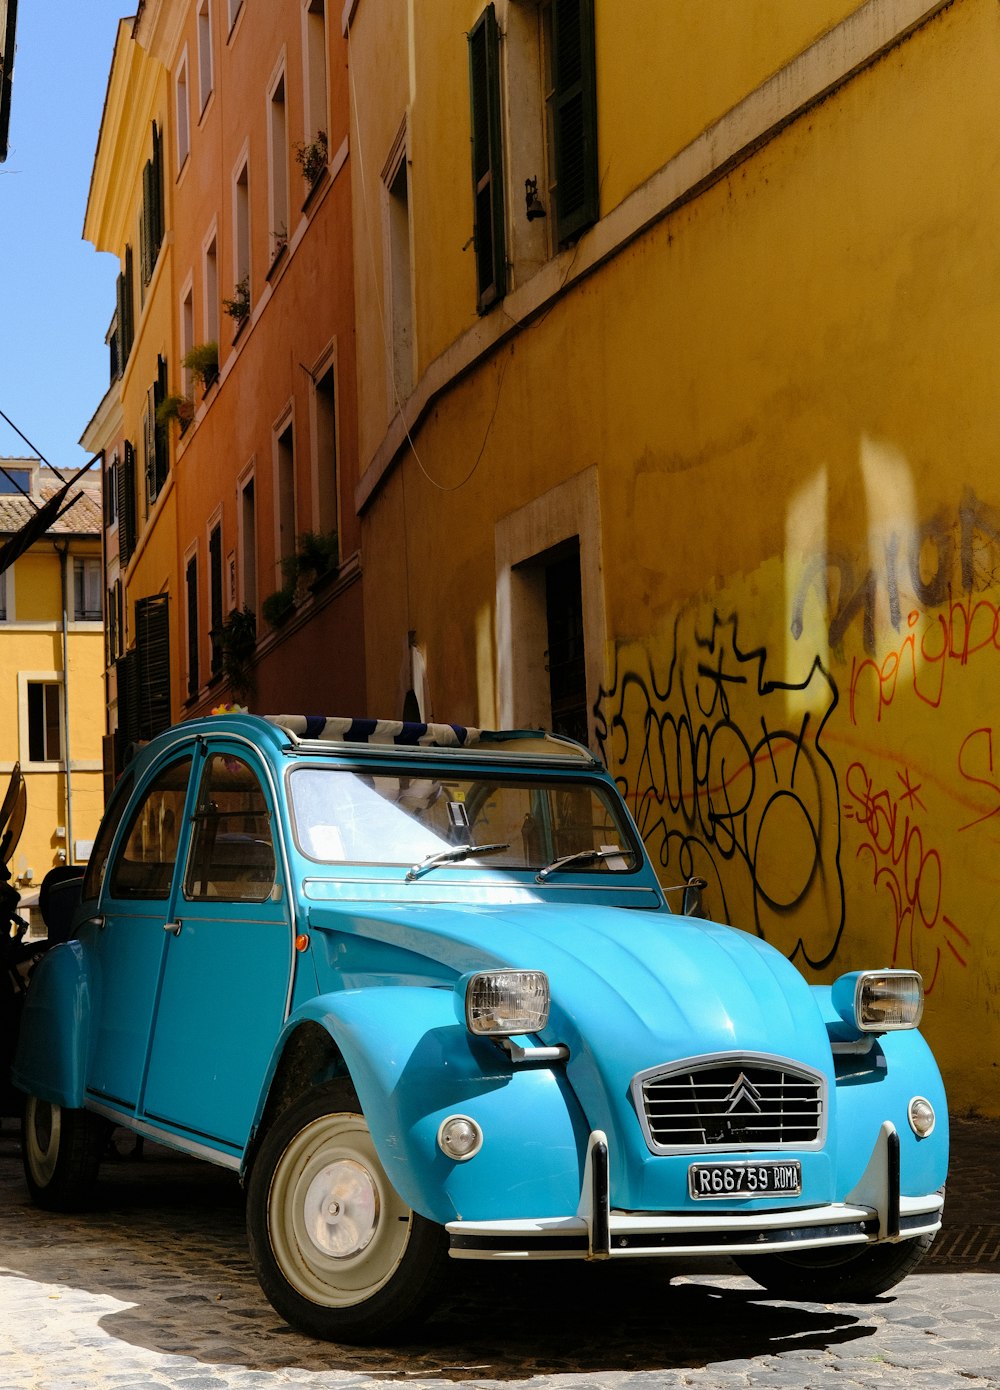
[(938, 557), (919, 664), (906, 868), (724, 784)]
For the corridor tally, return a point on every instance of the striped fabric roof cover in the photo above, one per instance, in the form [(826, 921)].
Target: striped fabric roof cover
[(318, 726)]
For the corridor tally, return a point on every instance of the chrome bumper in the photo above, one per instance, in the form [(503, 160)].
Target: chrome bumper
[(873, 1211)]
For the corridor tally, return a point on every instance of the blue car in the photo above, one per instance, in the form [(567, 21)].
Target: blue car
[(419, 985)]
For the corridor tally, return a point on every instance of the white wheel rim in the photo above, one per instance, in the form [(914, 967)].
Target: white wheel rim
[(337, 1228), (43, 1123)]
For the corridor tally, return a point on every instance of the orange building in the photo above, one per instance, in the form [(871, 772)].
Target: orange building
[(251, 534)]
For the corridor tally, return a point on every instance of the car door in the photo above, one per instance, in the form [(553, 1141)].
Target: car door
[(229, 960), (126, 941)]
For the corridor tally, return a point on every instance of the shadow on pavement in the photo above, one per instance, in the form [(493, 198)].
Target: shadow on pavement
[(165, 1239)]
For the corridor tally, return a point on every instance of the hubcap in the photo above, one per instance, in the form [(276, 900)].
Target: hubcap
[(341, 1209)]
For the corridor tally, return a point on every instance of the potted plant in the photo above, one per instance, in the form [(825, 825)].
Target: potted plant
[(238, 308), (311, 156), (317, 554), (279, 606), (179, 408), (239, 642), (202, 361)]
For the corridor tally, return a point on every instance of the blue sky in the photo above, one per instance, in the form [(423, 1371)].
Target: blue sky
[(57, 294)]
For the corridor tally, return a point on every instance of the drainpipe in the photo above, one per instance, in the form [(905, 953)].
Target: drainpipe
[(63, 549)]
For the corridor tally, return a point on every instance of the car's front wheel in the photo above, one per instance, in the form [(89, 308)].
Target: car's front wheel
[(337, 1251), (61, 1151), (838, 1275)]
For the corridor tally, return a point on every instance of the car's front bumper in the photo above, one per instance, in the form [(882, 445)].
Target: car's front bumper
[(873, 1211)]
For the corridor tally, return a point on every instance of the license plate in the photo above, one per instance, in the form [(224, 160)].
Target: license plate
[(720, 1180)]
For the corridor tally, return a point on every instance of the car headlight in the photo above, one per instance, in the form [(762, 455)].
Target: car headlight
[(880, 1001), (499, 1003)]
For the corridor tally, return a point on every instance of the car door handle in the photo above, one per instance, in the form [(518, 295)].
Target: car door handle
[(174, 927)]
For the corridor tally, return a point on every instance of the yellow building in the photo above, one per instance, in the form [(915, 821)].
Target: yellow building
[(128, 211), (675, 405), (51, 643)]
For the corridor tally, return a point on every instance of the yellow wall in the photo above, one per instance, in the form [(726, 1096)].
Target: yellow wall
[(32, 643), (787, 389)]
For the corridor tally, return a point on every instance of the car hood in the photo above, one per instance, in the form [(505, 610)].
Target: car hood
[(631, 990)]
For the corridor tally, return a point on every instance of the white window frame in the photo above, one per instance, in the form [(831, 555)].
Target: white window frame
[(284, 423), (24, 680), (276, 117), (90, 564), (210, 284), (7, 586), (316, 68), (182, 101), (328, 362), (206, 64), (249, 596)]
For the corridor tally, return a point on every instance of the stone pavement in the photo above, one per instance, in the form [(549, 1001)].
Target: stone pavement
[(153, 1290)]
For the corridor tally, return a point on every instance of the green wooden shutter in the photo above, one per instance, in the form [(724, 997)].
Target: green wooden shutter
[(574, 116), (152, 646), (487, 160), (191, 581), (161, 436), (126, 505)]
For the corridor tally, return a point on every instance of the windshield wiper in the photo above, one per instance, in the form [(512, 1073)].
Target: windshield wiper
[(451, 856), (582, 856)]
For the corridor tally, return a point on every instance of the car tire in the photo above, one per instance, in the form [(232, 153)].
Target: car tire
[(337, 1251), (61, 1151), (838, 1275)]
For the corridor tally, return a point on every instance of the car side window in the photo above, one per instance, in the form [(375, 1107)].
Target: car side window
[(93, 879), (145, 863), (232, 850)]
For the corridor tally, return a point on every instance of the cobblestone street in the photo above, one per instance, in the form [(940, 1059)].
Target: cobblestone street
[(153, 1288)]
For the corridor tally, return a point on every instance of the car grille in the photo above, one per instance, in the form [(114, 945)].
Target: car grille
[(732, 1103)]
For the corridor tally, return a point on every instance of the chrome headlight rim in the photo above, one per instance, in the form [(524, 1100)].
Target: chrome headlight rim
[(476, 987), (854, 997)]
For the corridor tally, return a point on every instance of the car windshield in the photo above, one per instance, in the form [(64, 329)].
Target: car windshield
[(341, 816)]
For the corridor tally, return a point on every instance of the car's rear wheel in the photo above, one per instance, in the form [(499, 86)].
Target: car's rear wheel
[(838, 1275), (337, 1251), (61, 1151)]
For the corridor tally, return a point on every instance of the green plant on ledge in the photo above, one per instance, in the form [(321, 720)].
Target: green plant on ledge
[(239, 642), (317, 553), (179, 408), (279, 606), (239, 306), (202, 361), (311, 157)]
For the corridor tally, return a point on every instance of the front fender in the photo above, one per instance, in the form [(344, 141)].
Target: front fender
[(55, 1028), (413, 1064)]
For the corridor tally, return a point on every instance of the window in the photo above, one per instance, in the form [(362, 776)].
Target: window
[(191, 596), (15, 481), (152, 668), (277, 150), (98, 862), (234, 8), (204, 52), (571, 101), (232, 853), (3, 596), (145, 862), (44, 721), (115, 628), (126, 311), (325, 441), (156, 444), (400, 283), (212, 291), (187, 341), (151, 221), (314, 19), (241, 235), (284, 483), (215, 596), (111, 493), (487, 160), (87, 584), (183, 113), (127, 519), (248, 544)]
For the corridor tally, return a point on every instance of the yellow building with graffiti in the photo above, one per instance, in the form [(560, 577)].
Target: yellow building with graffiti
[(51, 654), (677, 410)]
